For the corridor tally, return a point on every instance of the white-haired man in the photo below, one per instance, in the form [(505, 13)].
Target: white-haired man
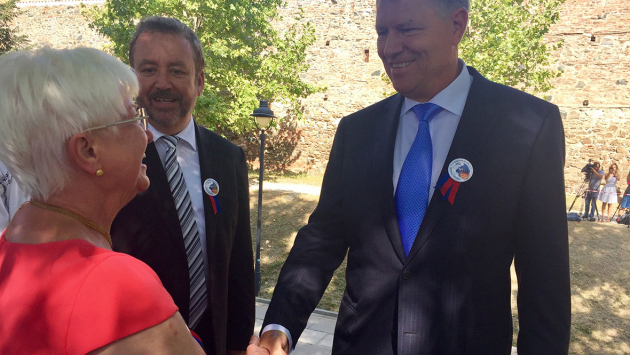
[(457, 161)]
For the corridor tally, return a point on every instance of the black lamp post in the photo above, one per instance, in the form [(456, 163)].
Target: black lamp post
[(263, 116)]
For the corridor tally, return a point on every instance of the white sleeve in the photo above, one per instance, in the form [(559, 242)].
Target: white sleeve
[(15, 198), (5, 216), (11, 197)]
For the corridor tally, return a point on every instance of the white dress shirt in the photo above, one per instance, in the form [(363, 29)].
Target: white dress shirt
[(188, 159), (442, 128)]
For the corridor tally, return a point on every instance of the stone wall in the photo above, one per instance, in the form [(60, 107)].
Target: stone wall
[(57, 26), (592, 93), (344, 60)]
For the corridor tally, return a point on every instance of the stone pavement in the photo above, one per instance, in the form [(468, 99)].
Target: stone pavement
[(317, 338)]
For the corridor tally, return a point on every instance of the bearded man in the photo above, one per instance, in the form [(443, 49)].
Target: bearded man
[(192, 224)]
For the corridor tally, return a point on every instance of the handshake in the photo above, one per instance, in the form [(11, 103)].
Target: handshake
[(272, 342)]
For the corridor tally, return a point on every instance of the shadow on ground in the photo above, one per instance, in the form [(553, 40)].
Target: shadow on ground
[(600, 292)]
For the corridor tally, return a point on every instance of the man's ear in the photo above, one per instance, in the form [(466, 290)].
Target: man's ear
[(201, 80), (84, 153), (459, 19)]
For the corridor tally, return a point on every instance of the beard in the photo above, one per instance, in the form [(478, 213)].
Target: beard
[(166, 117)]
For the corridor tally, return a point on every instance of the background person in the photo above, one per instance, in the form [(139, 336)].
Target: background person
[(428, 269), (608, 196), (77, 150), (11, 196), (625, 202), (593, 191), (176, 217)]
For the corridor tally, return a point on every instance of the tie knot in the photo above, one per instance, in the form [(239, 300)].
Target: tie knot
[(171, 141), (425, 112)]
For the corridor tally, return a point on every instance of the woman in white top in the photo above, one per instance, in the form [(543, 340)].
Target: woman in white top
[(608, 196)]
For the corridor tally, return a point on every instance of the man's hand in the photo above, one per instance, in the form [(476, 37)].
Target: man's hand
[(254, 349), (596, 172), (272, 342)]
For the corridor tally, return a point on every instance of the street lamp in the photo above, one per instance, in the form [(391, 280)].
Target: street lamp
[(263, 116)]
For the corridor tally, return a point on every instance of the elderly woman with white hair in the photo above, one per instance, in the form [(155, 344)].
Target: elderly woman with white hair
[(72, 136)]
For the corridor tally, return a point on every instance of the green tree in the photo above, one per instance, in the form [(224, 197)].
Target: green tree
[(505, 42), (246, 58), (9, 39)]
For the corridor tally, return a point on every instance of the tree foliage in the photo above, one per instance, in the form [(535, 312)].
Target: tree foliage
[(246, 58), (9, 39), (504, 41)]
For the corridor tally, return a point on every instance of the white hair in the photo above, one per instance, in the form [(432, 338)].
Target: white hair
[(446, 7), (47, 96)]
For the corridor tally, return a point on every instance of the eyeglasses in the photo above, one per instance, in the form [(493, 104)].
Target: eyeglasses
[(141, 118)]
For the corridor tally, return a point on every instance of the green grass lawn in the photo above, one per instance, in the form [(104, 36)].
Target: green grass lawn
[(600, 269)]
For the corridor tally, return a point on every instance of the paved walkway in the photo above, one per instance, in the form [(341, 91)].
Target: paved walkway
[(317, 338)]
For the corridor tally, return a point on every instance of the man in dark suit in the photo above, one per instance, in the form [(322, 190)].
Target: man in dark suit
[(192, 225), (432, 193)]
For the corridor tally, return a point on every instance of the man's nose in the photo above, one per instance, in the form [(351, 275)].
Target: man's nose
[(393, 45), (163, 82)]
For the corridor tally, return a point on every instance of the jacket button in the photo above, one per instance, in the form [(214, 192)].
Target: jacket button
[(406, 274)]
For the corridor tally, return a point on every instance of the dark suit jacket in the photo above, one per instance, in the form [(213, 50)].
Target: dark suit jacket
[(148, 228), (451, 295)]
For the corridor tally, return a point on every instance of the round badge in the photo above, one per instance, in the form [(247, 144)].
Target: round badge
[(460, 170), (211, 187)]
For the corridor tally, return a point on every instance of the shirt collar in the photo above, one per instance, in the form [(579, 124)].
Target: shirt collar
[(187, 134), (452, 98)]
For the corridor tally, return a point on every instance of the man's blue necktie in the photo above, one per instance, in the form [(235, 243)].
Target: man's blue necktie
[(412, 191)]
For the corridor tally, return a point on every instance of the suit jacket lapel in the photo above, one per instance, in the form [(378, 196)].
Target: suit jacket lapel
[(382, 168), (468, 143), (158, 190), (209, 168)]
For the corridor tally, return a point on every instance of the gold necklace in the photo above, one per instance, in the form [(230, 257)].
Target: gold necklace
[(78, 217)]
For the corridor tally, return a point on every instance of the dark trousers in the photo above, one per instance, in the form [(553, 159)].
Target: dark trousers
[(591, 199)]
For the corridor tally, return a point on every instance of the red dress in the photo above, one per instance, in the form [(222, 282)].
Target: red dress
[(71, 297)]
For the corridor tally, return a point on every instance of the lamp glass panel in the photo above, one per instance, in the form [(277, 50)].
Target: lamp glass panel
[(263, 121)]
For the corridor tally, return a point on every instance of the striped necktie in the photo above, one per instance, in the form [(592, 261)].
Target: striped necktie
[(412, 191), (198, 288)]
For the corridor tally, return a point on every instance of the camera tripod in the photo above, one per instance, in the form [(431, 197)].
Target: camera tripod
[(617, 210), (623, 195), (582, 191)]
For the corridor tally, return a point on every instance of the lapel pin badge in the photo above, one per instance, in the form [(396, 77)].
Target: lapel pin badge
[(211, 188), (459, 170)]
